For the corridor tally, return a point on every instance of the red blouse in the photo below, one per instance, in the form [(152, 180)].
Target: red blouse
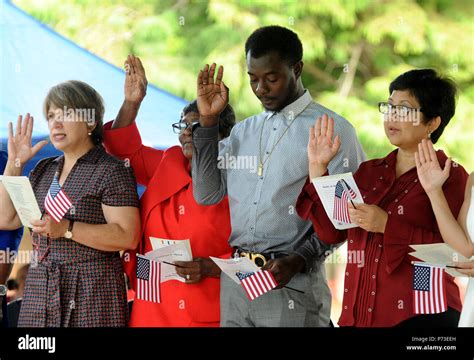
[(169, 211), (378, 293)]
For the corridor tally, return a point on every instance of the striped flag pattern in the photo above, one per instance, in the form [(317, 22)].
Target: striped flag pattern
[(257, 284), (148, 279), (429, 292), (57, 203), (342, 193)]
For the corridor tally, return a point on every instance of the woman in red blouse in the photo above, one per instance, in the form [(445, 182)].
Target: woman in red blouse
[(169, 211), (397, 212)]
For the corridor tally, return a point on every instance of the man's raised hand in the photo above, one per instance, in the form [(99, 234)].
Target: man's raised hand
[(212, 95)]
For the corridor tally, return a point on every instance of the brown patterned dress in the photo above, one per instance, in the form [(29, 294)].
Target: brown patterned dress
[(72, 285)]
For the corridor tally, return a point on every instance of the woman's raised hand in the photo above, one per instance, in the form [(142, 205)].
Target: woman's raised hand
[(322, 148), (430, 174), (20, 149), (135, 80)]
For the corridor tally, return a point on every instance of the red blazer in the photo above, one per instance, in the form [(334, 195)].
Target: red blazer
[(379, 293), (168, 210)]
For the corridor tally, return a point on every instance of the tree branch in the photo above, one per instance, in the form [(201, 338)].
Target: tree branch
[(346, 85), (319, 74)]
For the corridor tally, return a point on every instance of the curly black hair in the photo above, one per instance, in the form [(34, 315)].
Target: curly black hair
[(277, 39)]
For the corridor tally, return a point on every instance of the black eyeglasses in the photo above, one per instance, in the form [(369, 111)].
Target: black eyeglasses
[(401, 111), (181, 126)]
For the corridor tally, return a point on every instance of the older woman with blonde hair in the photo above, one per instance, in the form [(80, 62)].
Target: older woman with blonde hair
[(77, 279)]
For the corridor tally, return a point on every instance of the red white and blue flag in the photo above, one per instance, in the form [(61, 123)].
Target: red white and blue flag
[(429, 291), (57, 203), (257, 283), (342, 194), (148, 279)]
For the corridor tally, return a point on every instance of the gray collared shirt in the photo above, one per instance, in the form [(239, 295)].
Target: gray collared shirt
[(262, 208)]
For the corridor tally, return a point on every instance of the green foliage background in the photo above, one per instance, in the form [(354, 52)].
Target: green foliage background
[(352, 49)]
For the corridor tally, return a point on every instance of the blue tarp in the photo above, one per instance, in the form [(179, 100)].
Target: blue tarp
[(34, 58)]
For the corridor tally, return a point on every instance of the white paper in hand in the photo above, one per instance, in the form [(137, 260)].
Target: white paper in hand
[(170, 251), (23, 199), (335, 192), (158, 243), (440, 254), (232, 266)]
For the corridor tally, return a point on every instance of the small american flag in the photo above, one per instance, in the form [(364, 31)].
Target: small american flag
[(148, 279), (429, 293), (57, 203), (342, 194), (258, 283)]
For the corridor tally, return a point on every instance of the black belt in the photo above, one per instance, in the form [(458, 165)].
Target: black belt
[(259, 259)]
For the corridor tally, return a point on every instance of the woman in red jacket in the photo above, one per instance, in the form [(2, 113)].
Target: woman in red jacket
[(169, 211), (396, 211)]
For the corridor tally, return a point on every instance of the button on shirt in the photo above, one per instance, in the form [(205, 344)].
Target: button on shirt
[(70, 271), (380, 289), (262, 207)]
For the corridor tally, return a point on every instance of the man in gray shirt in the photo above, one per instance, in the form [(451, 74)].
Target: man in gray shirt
[(262, 167)]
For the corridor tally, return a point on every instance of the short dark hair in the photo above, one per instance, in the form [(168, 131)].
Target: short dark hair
[(226, 118), (277, 39), (78, 95), (435, 93)]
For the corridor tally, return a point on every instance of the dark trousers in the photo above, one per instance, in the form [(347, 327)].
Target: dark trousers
[(4, 315), (449, 318)]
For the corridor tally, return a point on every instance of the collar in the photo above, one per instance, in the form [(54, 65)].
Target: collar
[(171, 176), (291, 111), (92, 156), (390, 159)]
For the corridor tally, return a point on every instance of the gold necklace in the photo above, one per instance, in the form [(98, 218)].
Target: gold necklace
[(261, 161)]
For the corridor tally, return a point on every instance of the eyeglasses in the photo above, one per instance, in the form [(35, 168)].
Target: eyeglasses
[(181, 126), (400, 110)]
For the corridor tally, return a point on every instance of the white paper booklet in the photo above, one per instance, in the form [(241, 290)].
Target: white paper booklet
[(438, 254), (23, 199), (335, 192), (170, 251), (232, 266)]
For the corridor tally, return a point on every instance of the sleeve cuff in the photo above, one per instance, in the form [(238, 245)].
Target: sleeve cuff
[(397, 238), (308, 258), (123, 141), (397, 232), (314, 252), (306, 200)]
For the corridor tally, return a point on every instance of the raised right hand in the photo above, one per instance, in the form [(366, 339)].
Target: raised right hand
[(20, 150), (134, 91), (321, 146), (135, 80), (212, 96)]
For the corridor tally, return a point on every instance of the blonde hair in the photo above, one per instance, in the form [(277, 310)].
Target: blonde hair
[(83, 99)]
